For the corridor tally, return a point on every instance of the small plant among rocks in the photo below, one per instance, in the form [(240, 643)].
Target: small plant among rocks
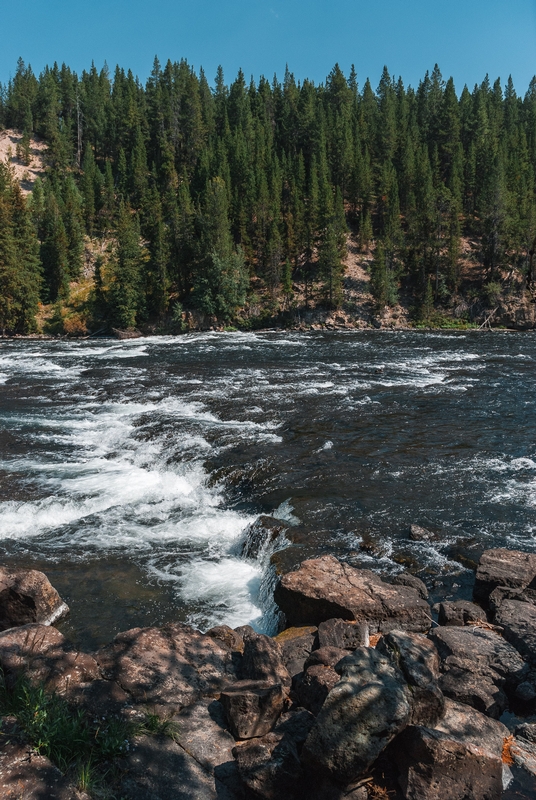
[(82, 746)]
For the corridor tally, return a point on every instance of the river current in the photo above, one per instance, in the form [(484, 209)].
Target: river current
[(130, 470)]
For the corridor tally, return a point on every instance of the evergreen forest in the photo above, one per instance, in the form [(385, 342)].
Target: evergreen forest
[(237, 202)]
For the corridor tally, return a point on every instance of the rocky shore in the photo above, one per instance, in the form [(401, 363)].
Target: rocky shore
[(363, 694)]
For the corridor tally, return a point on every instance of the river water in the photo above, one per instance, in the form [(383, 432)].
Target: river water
[(130, 470)]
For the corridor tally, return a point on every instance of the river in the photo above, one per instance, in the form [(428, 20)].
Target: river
[(129, 470)]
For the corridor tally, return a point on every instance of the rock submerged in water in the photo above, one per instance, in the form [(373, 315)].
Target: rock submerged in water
[(325, 588)]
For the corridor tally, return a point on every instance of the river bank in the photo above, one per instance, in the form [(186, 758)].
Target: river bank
[(362, 694)]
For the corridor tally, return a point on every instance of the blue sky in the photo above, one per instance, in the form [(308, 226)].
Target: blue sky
[(466, 38)]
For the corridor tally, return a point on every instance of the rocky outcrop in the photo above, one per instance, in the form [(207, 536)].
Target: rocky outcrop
[(27, 596), (25, 774), (315, 712), (325, 588)]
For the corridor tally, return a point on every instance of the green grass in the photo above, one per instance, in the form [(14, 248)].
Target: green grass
[(79, 744)]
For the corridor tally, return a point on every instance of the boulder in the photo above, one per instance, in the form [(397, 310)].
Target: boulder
[(460, 613), (262, 660), (342, 633), (417, 658), (261, 535), (407, 579), (172, 666), (296, 645), (314, 686), (270, 767), (27, 596), (418, 534), (477, 667), (325, 588), (252, 707), (434, 766), (464, 724), (42, 654), (518, 621), (325, 657), (364, 711), (510, 568)]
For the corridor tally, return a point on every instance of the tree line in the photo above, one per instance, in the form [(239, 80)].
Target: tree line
[(209, 195)]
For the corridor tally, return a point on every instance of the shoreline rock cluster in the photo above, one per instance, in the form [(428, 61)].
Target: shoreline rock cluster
[(361, 693)]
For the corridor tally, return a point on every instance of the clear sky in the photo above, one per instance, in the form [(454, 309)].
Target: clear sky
[(467, 38)]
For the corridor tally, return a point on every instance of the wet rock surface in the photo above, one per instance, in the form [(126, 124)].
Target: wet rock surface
[(27, 596), (261, 534), (325, 588)]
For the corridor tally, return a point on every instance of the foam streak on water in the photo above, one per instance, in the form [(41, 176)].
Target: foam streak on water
[(159, 453)]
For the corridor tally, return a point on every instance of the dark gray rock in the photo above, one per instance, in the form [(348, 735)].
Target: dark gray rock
[(252, 707), (459, 613), (518, 621), (343, 634), (297, 724), (478, 667), (418, 660), (296, 645), (270, 767), (525, 692), (27, 596), (510, 568), (434, 766), (325, 657), (407, 579), (314, 686), (261, 535), (262, 660), (325, 588), (527, 730), (363, 712)]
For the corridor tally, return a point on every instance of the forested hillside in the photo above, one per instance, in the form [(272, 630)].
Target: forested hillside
[(237, 201)]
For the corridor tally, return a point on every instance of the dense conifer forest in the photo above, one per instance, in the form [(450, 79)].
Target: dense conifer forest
[(237, 202)]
